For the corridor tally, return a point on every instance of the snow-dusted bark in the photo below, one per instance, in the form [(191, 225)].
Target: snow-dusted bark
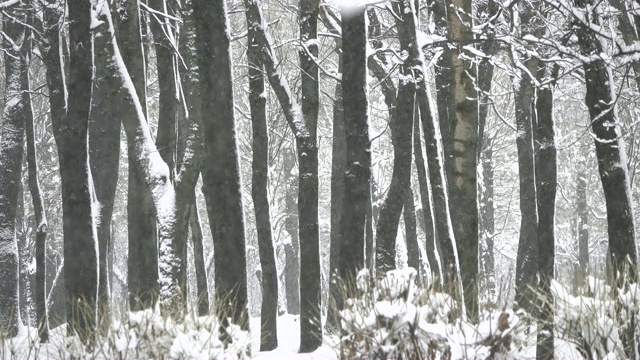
[(400, 103), (259, 191), (524, 88), (104, 156), (164, 36), (155, 171), (79, 215), (291, 248), (37, 199), (612, 160), (11, 153), (142, 262), (221, 175)]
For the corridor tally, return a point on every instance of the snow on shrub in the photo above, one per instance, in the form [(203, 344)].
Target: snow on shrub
[(396, 319)]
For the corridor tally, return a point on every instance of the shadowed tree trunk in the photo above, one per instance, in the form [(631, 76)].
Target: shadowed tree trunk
[(487, 213), (401, 108), (442, 220), (259, 191), (463, 183), (142, 262), (357, 178), (57, 94), (41, 225), (546, 184), (411, 235), (526, 263), (199, 261), (612, 166), (222, 177), (425, 216), (11, 153), (104, 158), (81, 275), (310, 273), (166, 62)]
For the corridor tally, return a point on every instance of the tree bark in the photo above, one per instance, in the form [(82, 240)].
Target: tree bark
[(259, 190), (166, 62), (199, 261), (104, 158), (41, 226), (425, 216), (310, 272), (464, 154), (411, 235), (11, 157), (357, 178), (222, 177), (487, 212), (156, 173), (546, 184), (81, 274), (142, 262), (435, 165)]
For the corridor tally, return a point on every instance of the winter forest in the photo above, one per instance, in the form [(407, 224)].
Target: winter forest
[(353, 179)]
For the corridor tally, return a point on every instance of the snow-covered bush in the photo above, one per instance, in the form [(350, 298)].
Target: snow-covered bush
[(594, 322), (397, 319), (139, 335)]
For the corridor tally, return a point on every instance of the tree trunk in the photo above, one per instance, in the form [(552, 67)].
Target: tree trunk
[(357, 178), (338, 168), (310, 272), (292, 248), (612, 166), (156, 173), (435, 166), (259, 191), (41, 226), (11, 153), (369, 241), (401, 110), (425, 216), (546, 184), (464, 142), (167, 71), (222, 178), (142, 262), (411, 235), (81, 274), (104, 158), (24, 258), (199, 261)]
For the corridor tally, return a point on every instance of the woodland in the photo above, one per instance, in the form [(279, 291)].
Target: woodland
[(389, 179)]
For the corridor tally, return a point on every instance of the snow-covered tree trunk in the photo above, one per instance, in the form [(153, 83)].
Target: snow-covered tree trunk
[(222, 174), (291, 248), (259, 189), (155, 170), (142, 262), (11, 153)]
